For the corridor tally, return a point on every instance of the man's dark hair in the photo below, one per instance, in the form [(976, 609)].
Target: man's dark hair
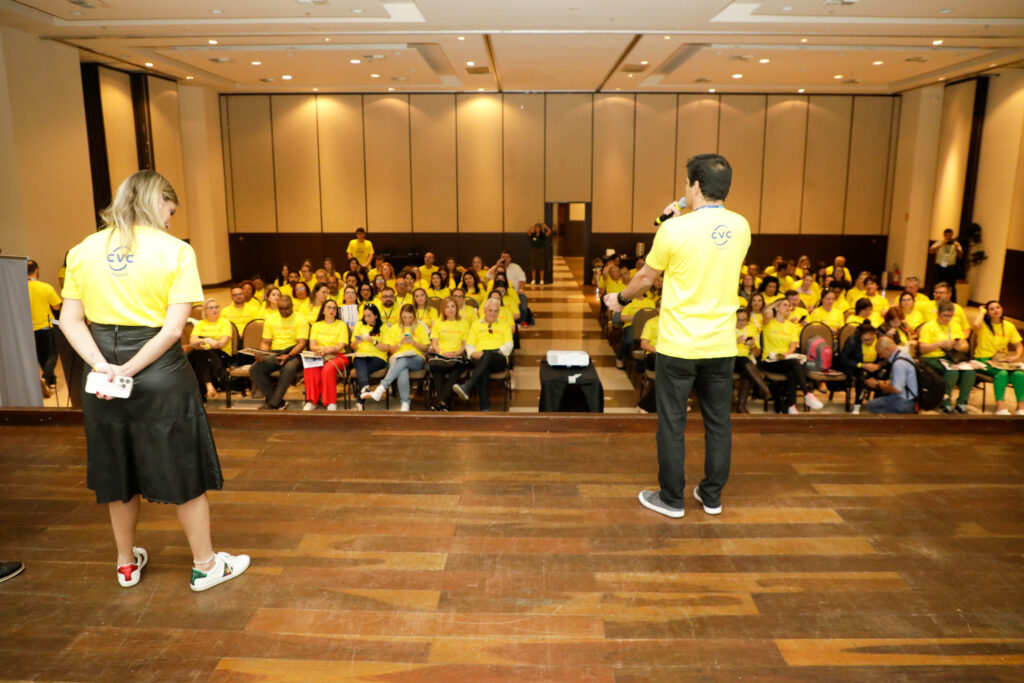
[(33, 267), (360, 230), (713, 173), (863, 303)]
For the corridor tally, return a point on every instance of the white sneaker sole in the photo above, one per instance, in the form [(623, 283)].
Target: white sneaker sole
[(710, 511), (237, 570), (668, 512), (461, 392), (142, 558)]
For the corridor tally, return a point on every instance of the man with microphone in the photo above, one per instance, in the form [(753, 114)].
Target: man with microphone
[(699, 254)]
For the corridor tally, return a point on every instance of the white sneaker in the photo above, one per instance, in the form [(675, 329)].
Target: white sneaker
[(707, 509), (359, 406), (130, 574), (225, 568), (511, 381), (1020, 411), (793, 410), (365, 392), (332, 406), (405, 407), (856, 409), (461, 391), (1004, 411), (812, 401), (309, 405), (378, 393)]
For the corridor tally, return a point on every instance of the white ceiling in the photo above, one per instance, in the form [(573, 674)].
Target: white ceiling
[(538, 45)]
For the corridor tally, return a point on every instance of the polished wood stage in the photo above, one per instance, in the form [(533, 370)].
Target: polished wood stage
[(496, 547)]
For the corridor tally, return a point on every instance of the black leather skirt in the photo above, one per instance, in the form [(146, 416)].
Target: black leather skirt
[(157, 442)]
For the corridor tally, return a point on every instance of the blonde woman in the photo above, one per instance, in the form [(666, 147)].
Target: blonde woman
[(209, 348), (448, 344), (136, 285), (425, 313)]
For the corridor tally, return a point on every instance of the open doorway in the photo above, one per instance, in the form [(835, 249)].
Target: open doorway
[(571, 223)]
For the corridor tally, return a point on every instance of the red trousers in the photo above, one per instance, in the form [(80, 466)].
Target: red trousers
[(322, 383)]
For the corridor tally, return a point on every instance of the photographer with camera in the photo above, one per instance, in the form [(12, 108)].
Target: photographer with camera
[(947, 251)]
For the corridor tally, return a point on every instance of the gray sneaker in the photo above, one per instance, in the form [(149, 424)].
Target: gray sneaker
[(709, 510), (652, 501)]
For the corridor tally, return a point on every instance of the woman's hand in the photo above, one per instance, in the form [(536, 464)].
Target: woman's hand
[(111, 372), (870, 367)]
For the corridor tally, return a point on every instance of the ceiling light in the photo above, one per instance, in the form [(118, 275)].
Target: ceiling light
[(877, 62), (937, 42), (462, 37), (77, 13), (737, 75), (391, 90), (711, 90), (470, 63), (327, 40), (189, 78), (764, 60), (942, 78), (787, 8), (256, 62), (644, 63), (354, 61), (838, 76), (149, 64), (286, 77), (374, 75), (629, 75), (211, 41), (991, 65), (668, 37), (356, 10), (216, 11), (801, 90), (479, 89), (945, 10), (316, 89), (803, 40)]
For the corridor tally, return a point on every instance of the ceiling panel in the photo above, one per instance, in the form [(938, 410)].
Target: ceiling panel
[(557, 62)]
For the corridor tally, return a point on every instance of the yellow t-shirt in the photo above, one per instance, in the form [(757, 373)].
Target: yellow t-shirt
[(469, 315), (479, 296), (329, 334), (284, 333), (778, 337), (873, 318), (635, 306), (853, 295), (810, 299), (879, 304), (132, 285), (360, 250), (748, 332), (650, 332), (41, 297), (913, 319), (215, 330), (286, 289), (930, 311), (257, 295), (428, 316), (796, 314), (932, 332), (833, 318), (404, 299), (449, 334), (700, 254), (870, 352), (427, 271), (389, 316), (846, 272), (253, 306), (484, 336), (613, 286), (239, 317), (368, 348), (442, 293), (771, 298), (996, 340), (396, 337)]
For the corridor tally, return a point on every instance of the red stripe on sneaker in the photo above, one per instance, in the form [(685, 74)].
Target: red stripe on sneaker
[(126, 570)]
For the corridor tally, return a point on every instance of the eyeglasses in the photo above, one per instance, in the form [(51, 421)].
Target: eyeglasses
[(490, 328)]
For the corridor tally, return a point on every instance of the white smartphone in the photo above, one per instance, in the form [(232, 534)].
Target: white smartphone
[(121, 387)]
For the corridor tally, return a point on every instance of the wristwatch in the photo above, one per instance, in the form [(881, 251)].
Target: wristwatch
[(622, 302)]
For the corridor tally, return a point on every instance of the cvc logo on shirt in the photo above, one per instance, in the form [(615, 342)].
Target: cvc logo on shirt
[(119, 259), (721, 235)]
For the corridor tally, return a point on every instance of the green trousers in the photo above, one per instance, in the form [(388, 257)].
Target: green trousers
[(1002, 378), (962, 378)]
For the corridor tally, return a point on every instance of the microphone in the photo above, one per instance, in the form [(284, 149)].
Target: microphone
[(671, 211)]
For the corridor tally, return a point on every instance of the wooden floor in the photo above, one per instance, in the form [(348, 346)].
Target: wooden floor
[(495, 549)]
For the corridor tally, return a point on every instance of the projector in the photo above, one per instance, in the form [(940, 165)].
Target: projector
[(568, 359)]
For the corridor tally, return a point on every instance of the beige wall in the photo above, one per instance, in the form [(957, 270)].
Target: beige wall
[(167, 153), (478, 149), (253, 201), (741, 141), (388, 181), (434, 205), (951, 170), (784, 139), (48, 207), (523, 144), (826, 164), (296, 163), (118, 125), (342, 171), (568, 142), (613, 163), (654, 165)]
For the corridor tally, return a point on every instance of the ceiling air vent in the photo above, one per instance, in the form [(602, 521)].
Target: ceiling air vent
[(702, 80), (634, 68), (399, 78), (269, 80), (741, 58), (220, 60), (916, 60), (851, 81), (88, 4), (478, 70), (311, 2)]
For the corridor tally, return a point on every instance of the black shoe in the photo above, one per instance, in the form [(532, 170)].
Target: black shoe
[(8, 570)]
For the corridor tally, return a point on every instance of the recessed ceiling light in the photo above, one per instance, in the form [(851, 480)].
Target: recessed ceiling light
[(356, 10), (618, 88), (711, 90), (286, 77), (316, 89), (216, 11), (787, 8), (838, 76), (644, 62), (942, 78), (462, 37), (479, 89), (327, 40), (374, 75), (77, 13), (991, 65), (189, 78), (764, 60), (211, 41), (945, 10), (803, 40), (937, 42), (255, 62), (149, 63), (354, 61), (877, 62), (737, 75), (391, 90), (801, 90), (470, 63), (668, 37), (629, 75)]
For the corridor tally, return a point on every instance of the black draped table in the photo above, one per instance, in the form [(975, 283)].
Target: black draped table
[(570, 390)]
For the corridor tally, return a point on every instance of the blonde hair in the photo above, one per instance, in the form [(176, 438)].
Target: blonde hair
[(137, 202)]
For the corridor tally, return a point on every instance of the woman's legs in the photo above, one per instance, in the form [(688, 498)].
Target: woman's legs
[(412, 364), (329, 373), (1017, 380), (311, 378), (362, 375), (195, 520), (492, 361), (626, 345), (124, 517), (950, 378)]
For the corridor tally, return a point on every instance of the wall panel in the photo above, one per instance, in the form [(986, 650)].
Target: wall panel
[(954, 141), (252, 163), (342, 171), (784, 139), (869, 166), (479, 162), (167, 155), (434, 195), (523, 145), (388, 171), (741, 142), (825, 164), (614, 119), (568, 147), (118, 125), (654, 162), (696, 133), (225, 142), (296, 163)]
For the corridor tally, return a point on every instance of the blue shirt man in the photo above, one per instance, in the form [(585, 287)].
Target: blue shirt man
[(901, 389)]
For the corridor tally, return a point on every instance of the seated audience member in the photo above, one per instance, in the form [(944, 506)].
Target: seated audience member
[(425, 313), (842, 303), (407, 341), (516, 277), (808, 291), (745, 364), (349, 309), (508, 315), (43, 302), (354, 268), (649, 343), (366, 294), (478, 268), (785, 277), (471, 286), (389, 310), (333, 288), (252, 304), (387, 271), (319, 277), (770, 289), (943, 292), (437, 288), (912, 316), (270, 304), (757, 310), (774, 267), (859, 290), (822, 278), (613, 281), (209, 348), (839, 271), (797, 313), (879, 304), (282, 276), (999, 341), (261, 288), (306, 274), (913, 286), (803, 267), (428, 268), (329, 266), (284, 336), (626, 316), (782, 338), (936, 340), (754, 271), (828, 313), (488, 345), (371, 350), (329, 338), (238, 314), (378, 265), (899, 393), (747, 289), (455, 272), (448, 345), (300, 300), (895, 327), (316, 302), (288, 288), (864, 311), (403, 295), (353, 280), (361, 249), (467, 313), (379, 285), (859, 359)]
